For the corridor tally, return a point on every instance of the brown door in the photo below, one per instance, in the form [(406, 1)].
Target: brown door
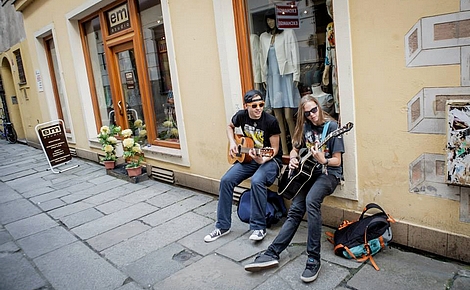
[(127, 97)]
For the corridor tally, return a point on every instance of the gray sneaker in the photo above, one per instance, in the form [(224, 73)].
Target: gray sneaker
[(215, 234), (258, 235), (262, 261), (311, 270)]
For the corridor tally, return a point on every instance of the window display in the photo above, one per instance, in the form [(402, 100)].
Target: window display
[(292, 53)]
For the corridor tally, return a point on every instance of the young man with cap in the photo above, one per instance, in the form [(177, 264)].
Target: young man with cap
[(264, 129)]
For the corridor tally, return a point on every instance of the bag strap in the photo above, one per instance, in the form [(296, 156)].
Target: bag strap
[(325, 130), (376, 206)]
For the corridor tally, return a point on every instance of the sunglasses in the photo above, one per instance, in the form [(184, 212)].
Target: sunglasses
[(313, 111), (254, 106)]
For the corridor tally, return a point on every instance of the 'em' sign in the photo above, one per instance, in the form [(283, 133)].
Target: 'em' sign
[(55, 144), (118, 19)]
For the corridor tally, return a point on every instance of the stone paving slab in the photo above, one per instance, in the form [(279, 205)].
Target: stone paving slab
[(420, 272), (30, 225), (155, 238), (17, 209), (46, 241), (211, 272), (17, 273), (77, 267), (175, 210), (117, 235), (160, 264), (113, 220)]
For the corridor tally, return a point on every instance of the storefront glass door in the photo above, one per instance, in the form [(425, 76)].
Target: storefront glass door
[(128, 107)]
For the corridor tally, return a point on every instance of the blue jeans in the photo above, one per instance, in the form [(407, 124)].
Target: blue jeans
[(309, 199), (262, 176)]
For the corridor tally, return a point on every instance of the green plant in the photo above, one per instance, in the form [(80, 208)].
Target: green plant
[(108, 141), (132, 149)]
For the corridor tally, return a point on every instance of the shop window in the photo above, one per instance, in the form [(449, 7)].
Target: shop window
[(102, 100), (57, 85), (290, 45), (19, 63), (129, 71), (153, 30)]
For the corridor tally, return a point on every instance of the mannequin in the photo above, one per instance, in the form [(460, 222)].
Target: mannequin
[(330, 58), (280, 73), (255, 60), (326, 100)]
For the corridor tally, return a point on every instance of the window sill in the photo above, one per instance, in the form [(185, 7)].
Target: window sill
[(158, 152)]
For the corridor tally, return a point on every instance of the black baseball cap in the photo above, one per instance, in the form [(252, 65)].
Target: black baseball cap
[(253, 96)]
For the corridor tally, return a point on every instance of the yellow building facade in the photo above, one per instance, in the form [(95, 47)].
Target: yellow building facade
[(182, 67)]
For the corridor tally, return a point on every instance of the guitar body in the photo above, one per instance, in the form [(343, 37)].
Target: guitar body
[(245, 144), (241, 157), (292, 181)]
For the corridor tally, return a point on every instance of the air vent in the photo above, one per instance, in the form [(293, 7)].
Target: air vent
[(73, 152), (162, 174)]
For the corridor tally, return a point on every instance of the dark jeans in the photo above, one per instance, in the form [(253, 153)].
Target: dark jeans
[(310, 200), (262, 176)]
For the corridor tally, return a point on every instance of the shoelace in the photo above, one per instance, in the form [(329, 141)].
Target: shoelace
[(215, 232)]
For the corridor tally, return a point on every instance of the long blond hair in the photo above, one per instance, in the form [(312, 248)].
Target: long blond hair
[(298, 136)]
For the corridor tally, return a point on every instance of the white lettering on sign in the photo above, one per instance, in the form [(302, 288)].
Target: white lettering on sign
[(51, 130), (287, 16), (287, 11)]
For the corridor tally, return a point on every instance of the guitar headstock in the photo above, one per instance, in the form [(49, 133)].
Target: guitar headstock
[(342, 130)]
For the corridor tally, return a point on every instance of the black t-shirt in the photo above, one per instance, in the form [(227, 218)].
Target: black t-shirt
[(259, 130), (333, 145)]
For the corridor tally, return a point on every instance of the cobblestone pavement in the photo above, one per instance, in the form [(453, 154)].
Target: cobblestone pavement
[(84, 229)]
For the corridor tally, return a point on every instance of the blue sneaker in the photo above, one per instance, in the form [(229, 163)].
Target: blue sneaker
[(262, 261), (311, 270), (215, 234)]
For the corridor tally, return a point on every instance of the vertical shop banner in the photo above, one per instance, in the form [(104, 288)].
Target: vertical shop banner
[(287, 16), (54, 143)]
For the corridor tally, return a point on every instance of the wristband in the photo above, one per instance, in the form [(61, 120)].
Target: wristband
[(326, 161)]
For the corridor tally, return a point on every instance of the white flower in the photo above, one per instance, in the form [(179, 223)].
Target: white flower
[(126, 133), (174, 132), (137, 148), (112, 140), (138, 123), (128, 142), (108, 148), (142, 133), (105, 130), (168, 124)]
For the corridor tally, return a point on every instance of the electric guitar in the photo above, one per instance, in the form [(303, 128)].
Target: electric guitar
[(292, 181), (245, 144)]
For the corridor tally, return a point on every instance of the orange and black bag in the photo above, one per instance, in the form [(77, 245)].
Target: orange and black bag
[(362, 239)]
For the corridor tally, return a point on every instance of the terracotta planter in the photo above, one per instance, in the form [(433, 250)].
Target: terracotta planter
[(136, 171), (109, 164)]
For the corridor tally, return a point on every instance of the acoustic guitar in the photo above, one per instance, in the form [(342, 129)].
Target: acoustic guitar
[(244, 145), (292, 181)]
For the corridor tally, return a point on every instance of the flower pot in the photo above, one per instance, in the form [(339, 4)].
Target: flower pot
[(134, 171), (109, 164)]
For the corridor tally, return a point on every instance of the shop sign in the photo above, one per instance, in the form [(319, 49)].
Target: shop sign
[(55, 144), (287, 16), (130, 82), (118, 19)]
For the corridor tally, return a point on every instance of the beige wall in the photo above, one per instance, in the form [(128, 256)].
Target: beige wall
[(383, 86)]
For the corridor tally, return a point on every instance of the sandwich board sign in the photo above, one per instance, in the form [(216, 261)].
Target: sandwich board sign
[(54, 144)]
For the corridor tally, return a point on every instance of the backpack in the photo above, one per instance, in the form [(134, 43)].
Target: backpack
[(275, 207), (362, 239)]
